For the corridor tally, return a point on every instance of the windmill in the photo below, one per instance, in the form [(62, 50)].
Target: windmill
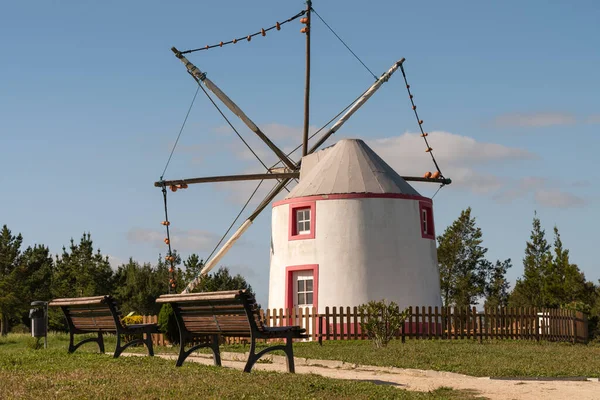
[(291, 169)]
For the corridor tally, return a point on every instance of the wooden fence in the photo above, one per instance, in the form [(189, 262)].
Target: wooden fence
[(449, 323)]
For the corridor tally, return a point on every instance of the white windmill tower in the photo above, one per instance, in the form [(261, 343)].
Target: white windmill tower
[(351, 231)]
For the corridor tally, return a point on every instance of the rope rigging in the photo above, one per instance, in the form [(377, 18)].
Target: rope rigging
[(170, 258), (420, 123), (262, 32), (179, 135), (344, 43)]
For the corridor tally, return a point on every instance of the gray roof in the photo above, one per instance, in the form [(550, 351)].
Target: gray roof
[(350, 166)]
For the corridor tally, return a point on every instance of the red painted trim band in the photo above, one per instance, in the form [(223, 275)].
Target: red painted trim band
[(345, 196)]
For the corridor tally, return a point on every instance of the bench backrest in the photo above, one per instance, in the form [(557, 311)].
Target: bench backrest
[(99, 313), (228, 313)]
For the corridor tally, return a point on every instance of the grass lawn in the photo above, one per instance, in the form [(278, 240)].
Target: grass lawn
[(52, 373), (494, 358)]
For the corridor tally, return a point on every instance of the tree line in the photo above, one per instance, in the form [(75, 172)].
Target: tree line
[(467, 277), (549, 280), (33, 274)]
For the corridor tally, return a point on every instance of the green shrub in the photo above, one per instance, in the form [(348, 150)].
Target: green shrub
[(381, 321), (20, 328), (167, 323)]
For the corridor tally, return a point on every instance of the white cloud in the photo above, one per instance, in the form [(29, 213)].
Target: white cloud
[(543, 194), (555, 198), (539, 119), (593, 119), (182, 240), (459, 157), (115, 262)]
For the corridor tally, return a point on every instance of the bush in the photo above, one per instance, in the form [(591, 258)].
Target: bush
[(381, 321), (167, 323), (20, 328)]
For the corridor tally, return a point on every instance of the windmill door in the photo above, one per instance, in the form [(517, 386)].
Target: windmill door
[(303, 292)]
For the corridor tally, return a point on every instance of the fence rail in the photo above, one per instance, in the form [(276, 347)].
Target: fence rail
[(423, 323)]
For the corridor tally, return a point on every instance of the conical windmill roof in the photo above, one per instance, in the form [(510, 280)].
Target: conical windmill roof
[(350, 166)]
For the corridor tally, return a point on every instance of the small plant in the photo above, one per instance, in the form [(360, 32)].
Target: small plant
[(131, 319), (381, 321), (20, 328), (167, 323)]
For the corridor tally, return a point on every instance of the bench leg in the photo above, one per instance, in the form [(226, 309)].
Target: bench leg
[(214, 346), (289, 352), (148, 342), (118, 348), (101, 342), (287, 349), (73, 346)]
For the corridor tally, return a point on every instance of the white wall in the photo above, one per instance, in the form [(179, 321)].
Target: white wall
[(366, 249)]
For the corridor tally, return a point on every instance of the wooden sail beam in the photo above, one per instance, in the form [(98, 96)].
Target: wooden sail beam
[(307, 29), (279, 175), (229, 178), (201, 77)]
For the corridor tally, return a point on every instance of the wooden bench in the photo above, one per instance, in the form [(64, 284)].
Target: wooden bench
[(227, 313), (101, 314)]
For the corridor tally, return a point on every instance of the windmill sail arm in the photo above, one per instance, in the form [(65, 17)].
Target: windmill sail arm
[(210, 264), (223, 250), (201, 76), (362, 100)]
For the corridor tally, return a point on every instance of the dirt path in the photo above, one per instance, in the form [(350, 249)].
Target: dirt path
[(420, 380)]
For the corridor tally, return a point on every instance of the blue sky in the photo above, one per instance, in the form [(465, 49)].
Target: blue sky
[(92, 99)]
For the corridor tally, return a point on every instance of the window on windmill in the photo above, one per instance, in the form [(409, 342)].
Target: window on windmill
[(426, 217), (305, 292), (302, 221)]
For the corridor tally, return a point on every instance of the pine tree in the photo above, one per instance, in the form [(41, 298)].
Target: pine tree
[(532, 289), (193, 266), (222, 280), (497, 287), (81, 272), (35, 274), (565, 282), (10, 253), (461, 261)]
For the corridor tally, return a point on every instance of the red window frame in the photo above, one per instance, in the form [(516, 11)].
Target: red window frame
[(289, 290), (292, 232), (428, 209)]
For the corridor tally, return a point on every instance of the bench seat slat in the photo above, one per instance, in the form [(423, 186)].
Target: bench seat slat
[(75, 302), (89, 313), (198, 296)]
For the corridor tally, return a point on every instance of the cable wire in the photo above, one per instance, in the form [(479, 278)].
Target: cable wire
[(179, 135), (230, 124), (234, 221), (344, 43), (436, 192)]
